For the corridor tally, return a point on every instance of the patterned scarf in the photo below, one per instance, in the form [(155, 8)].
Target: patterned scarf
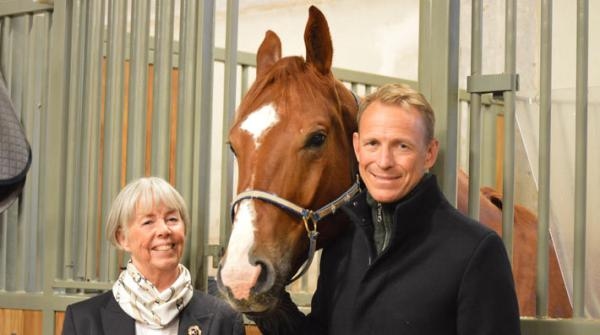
[(140, 299)]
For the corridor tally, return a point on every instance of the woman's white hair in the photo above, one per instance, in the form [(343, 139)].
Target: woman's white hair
[(144, 192)]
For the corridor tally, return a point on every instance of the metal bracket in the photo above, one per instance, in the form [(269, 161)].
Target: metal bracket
[(493, 83), (216, 251)]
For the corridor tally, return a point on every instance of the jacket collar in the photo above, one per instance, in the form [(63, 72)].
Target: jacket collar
[(410, 214), (115, 320)]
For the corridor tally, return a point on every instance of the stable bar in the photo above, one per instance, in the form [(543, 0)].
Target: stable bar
[(91, 157), (199, 213), (543, 234), (493, 83), (138, 90), (74, 134), (508, 167), (229, 104), (55, 146), (29, 119), (39, 48), (475, 112), (581, 119), (113, 134), (161, 110), (185, 107)]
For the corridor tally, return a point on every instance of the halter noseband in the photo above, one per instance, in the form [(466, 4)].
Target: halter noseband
[(308, 216)]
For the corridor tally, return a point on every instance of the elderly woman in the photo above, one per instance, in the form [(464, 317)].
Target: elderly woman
[(154, 294)]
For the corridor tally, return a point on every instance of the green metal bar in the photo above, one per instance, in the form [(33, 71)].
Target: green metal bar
[(40, 48), (113, 124), (202, 146), (475, 112), (425, 82), (244, 80), (509, 129), (543, 235), (74, 134), (531, 326), (55, 146), (185, 109), (581, 130), (161, 110), (438, 81), (91, 156), (228, 113), (138, 90), (19, 7), (30, 193)]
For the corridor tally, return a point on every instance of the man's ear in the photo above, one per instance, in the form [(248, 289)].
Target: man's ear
[(356, 145), (432, 151)]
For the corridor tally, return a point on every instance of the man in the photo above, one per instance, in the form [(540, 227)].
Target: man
[(410, 263)]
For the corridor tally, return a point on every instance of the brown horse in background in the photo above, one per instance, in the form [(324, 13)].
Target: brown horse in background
[(292, 137), (524, 251)]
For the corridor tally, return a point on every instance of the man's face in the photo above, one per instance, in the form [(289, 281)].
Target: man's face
[(391, 150)]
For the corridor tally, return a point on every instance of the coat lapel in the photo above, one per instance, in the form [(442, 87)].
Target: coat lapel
[(193, 321), (115, 321)]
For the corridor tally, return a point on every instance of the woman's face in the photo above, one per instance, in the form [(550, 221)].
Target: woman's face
[(155, 239)]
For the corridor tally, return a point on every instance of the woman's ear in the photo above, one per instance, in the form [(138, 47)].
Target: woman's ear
[(122, 239)]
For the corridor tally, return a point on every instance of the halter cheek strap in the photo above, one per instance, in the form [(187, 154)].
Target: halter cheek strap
[(309, 217)]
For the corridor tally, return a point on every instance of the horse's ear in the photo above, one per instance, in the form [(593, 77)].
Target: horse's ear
[(319, 49), (268, 53)]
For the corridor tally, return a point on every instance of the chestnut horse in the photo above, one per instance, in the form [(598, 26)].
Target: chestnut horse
[(292, 137)]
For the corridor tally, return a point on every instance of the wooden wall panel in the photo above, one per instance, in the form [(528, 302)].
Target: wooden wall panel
[(20, 322)]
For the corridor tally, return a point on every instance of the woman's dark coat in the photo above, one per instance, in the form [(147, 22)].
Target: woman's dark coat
[(103, 315)]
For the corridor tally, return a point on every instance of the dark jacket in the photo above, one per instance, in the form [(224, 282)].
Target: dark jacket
[(103, 315), (442, 273)]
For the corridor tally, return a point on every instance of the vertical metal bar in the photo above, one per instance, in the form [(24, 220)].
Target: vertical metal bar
[(138, 90), (113, 135), (39, 39), (55, 146), (228, 113), (475, 115), (202, 146), (425, 47), (74, 134), (543, 235), (581, 116), (8, 67), (29, 196), (93, 108), (440, 84), (245, 80), (161, 110), (185, 109), (509, 129)]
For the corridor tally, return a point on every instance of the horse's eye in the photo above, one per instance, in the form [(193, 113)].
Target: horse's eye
[(316, 140)]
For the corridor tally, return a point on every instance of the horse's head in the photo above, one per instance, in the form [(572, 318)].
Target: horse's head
[(292, 138)]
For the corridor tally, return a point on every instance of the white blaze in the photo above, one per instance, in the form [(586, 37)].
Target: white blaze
[(237, 272), (258, 122)]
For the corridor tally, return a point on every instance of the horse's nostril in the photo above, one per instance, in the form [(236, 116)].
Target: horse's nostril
[(266, 278)]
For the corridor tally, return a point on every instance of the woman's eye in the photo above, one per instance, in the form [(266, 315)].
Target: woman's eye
[(147, 222), (316, 140)]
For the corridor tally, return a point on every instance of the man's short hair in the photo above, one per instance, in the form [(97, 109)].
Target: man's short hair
[(403, 96)]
